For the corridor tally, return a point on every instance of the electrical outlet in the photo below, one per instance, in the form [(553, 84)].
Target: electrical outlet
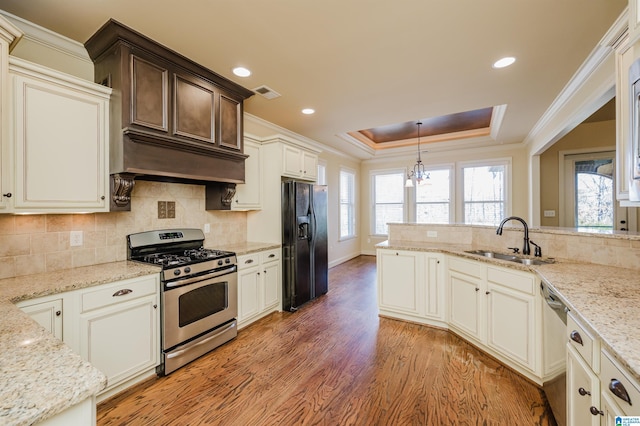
[(162, 209), (549, 213), (432, 234), (207, 228), (75, 238)]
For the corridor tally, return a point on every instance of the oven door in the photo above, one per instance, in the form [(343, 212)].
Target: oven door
[(195, 305)]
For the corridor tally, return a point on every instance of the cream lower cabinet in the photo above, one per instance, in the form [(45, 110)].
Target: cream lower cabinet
[(259, 285), (498, 309), (583, 391), (59, 137), (411, 285), (47, 313), (119, 330)]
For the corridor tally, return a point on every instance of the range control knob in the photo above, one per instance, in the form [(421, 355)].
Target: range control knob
[(227, 260), (176, 272), (187, 269), (220, 262)]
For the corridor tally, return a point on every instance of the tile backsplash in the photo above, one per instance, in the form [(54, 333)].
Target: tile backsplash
[(31, 244)]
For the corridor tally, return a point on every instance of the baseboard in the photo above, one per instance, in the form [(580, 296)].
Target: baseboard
[(343, 259)]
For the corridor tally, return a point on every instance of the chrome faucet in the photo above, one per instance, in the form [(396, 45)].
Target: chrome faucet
[(526, 250)]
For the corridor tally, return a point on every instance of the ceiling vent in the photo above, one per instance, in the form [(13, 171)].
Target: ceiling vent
[(267, 92)]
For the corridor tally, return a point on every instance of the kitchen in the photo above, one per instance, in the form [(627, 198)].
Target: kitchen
[(104, 233)]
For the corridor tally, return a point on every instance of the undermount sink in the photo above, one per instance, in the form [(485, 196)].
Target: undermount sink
[(509, 257)]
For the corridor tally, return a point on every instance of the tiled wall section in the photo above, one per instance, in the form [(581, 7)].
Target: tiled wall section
[(31, 244), (612, 250)]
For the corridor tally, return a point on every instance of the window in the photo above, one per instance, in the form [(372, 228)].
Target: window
[(388, 200), (322, 173), (484, 194), (347, 204), (433, 198)]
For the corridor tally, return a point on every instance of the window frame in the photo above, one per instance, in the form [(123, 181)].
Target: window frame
[(372, 185), (506, 162), (351, 205), (452, 194)]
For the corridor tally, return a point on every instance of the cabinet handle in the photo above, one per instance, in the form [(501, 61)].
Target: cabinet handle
[(122, 292), (583, 391), (248, 261), (8, 195), (58, 313), (595, 411), (576, 337), (618, 390), (272, 255)]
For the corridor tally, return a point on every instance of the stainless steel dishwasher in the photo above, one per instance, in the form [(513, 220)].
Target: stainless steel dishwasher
[(554, 317)]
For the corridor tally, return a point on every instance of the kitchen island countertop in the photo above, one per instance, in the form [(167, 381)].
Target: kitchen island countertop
[(40, 376)]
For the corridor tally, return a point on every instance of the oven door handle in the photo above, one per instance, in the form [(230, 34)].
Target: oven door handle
[(208, 339), (185, 281)]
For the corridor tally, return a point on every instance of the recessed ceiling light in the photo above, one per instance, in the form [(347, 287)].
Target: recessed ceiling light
[(308, 111), (504, 62), (241, 72)]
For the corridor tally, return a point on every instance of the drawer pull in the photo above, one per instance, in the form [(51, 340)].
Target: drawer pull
[(122, 292), (272, 255), (246, 262), (618, 390), (595, 411), (583, 391), (576, 337)]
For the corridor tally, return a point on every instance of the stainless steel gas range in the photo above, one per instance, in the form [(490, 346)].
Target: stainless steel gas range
[(199, 296)]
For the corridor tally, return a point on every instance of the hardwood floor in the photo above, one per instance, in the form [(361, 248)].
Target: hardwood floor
[(335, 362)]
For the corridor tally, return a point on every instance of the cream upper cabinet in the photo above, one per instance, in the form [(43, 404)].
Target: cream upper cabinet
[(624, 156), (9, 34), (249, 194), (298, 163), (59, 136), (634, 19)]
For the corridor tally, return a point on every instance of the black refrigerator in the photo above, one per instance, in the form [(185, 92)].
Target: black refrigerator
[(304, 243)]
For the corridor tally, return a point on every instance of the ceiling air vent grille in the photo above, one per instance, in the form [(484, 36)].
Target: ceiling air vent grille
[(267, 92)]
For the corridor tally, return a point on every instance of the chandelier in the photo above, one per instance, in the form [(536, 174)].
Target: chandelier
[(418, 173)]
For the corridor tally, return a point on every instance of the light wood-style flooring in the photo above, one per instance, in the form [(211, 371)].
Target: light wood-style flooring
[(335, 362)]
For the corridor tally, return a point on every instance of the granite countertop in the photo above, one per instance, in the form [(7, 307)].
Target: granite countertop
[(249, 247), (605, 299), (40, 376)]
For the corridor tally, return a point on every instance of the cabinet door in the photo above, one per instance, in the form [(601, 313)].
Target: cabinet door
[(248, 293), (271, 282), (434, 303), (624, 155), (193, 108), (60, 146), (249, 194), (309, 165), (47, 314), (149, 95), (511, 324), (583, 391), (465, 304), (292, 162), (610, 410), (121, 340), (230, 123), (398, 281)]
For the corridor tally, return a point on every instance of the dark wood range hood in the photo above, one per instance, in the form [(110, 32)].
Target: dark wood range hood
[(171, 119)]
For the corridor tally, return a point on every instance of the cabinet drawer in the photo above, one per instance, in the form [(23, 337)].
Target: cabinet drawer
[(521, 282), (589, 348), (612, 376), (270, 255), (248, 260), (472, 268), (110, 294)]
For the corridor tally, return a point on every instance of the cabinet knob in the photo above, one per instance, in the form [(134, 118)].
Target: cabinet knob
[(155, 306), (487, 292), (8, 195), (618, 390), (583, 391), (595, 411), (576, 337), (58, 313), (477, 289), (265, 271), (102, 198)]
